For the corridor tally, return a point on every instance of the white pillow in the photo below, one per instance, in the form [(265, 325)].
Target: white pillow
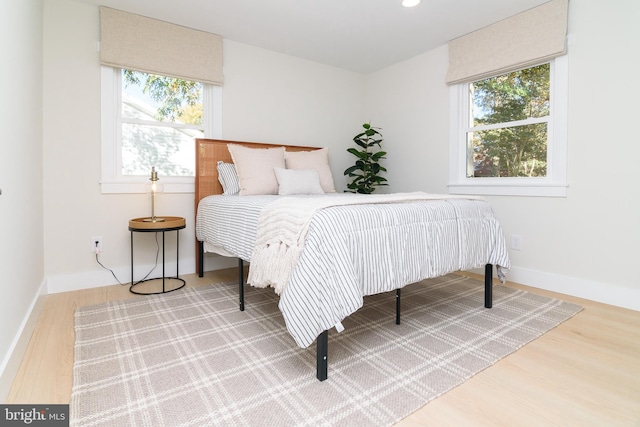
[(292, 181), (317, 160), (228, 178), (255, 168)]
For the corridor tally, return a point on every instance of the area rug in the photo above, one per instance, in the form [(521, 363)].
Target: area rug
[(191, 358)]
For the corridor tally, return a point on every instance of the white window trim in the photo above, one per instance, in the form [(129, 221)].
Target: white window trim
[(553, 185), (111, 127)]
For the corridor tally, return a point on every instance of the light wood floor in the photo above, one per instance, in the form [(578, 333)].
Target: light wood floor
[(585, 372)]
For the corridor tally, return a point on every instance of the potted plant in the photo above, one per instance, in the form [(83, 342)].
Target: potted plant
[(365, 172)]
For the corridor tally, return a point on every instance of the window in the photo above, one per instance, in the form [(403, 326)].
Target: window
[(150, 120), (160, 118), (508, 133)]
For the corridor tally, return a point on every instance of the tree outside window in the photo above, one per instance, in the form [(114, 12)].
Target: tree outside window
[(160, 117), (509, 117)]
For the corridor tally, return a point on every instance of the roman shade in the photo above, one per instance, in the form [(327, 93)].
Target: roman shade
[(523, 40), (157, 47)]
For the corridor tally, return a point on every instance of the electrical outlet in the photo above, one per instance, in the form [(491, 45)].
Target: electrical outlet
[(516, 242), (96, 247)]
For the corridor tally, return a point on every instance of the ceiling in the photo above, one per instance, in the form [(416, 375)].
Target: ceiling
[(358, 35)]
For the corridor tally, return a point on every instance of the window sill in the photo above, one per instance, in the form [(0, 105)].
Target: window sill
[(131, 187), (510, 189)]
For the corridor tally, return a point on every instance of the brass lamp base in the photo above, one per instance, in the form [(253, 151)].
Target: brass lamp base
[(153, 219)]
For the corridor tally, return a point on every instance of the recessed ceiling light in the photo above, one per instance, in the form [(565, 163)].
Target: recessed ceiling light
[(410, 3)]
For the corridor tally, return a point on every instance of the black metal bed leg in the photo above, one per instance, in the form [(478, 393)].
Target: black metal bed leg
[(322, 362), (241, 283), (397, 306), (488, 286), (201, 258)]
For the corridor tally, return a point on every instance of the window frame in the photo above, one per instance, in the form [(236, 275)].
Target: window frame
[(112, 180), (553, 185)]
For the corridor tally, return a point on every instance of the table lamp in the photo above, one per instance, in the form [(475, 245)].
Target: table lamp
[(153, 187)]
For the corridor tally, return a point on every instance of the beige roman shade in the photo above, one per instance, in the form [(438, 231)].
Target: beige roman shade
[(524, 40), (157, 47)]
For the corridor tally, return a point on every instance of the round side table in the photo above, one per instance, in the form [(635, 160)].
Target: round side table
[(144, 225)]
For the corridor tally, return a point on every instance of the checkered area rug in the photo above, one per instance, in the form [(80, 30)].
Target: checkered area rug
[(190, 358)]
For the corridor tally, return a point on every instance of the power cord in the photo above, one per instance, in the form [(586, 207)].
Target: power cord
[(114, 274), (107, 268)]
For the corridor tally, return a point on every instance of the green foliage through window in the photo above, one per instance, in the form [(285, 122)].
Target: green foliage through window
[(161, 116), (509, 119), (177, 99)]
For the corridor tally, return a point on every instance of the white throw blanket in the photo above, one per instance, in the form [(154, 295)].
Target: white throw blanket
[(283, 226)]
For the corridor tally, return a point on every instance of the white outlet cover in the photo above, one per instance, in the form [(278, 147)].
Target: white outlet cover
[(516, 242)]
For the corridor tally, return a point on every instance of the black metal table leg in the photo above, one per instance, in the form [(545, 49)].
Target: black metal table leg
[(177, 254), (163, 273), (132, 257)]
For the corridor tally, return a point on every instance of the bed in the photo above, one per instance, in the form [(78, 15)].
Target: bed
[(327, 275)]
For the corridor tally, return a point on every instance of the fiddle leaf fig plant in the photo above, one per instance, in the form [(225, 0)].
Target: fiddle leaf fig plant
[(365, 172)]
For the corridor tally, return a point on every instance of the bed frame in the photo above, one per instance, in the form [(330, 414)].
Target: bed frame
[(208, 153)]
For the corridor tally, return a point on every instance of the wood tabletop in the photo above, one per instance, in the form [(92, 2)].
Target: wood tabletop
[(170, 222)]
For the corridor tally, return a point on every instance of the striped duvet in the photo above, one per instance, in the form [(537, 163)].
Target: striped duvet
[(357, 250)]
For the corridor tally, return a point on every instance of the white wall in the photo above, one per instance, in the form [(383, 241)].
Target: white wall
[(21, 252), (587, 243), (410, 102), (584, 244), (266, 97)]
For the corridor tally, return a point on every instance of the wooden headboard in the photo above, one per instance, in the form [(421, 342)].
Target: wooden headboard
[(209, 152)]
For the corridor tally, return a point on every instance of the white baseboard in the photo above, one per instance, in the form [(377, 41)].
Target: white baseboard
[(16, 351), (98, 278), (606, 293)]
